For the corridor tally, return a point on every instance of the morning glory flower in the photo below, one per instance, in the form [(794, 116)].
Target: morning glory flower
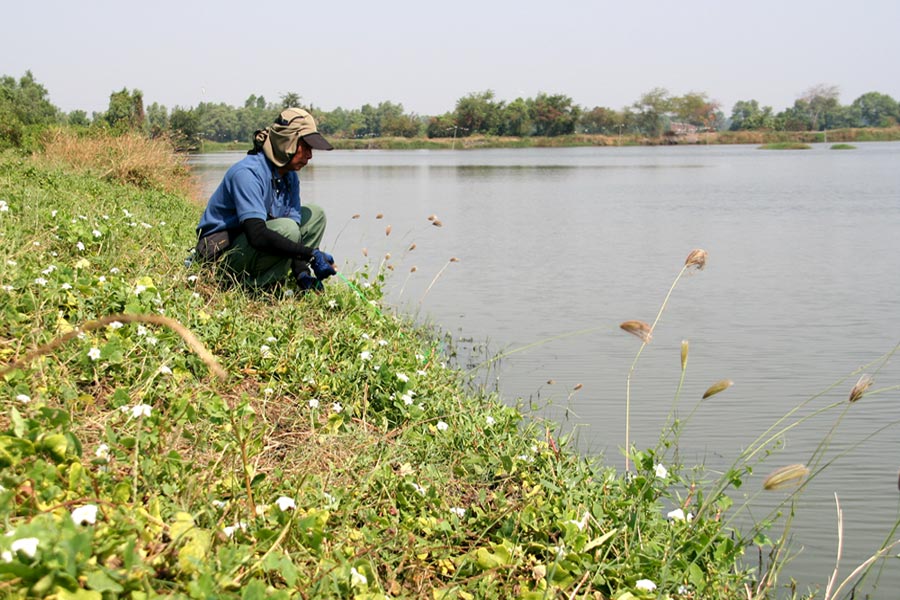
[(85, 515), (94, 353), (314, 403), (645, 584), (357, 578), (365, 355), (4, 207), (139, 289), (403, 377), (332, 303), (102, 451), (336, 407), (140, 410), (489, 420), (80, 246), (459, 512), (285, 504), (407, 399), (96, 233), (23, 398), (229, 531), (27, 546), (442, 426), (661, 471)]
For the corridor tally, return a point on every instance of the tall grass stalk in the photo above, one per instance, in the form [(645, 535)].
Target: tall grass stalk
[(697, 260)]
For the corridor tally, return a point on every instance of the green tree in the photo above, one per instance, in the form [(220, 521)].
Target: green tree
[(874, 109), (290, 99), (818, 101), (697, 109), (23, 104), (516, 119), (126, 110), (600, 120), (748, 115), (478, 112), (184, 124), (652, 111), (78, 118), (554, 114), (441, 126), (157, 121)]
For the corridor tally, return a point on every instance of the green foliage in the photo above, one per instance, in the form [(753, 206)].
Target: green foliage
[(786, 146), (341, 458)]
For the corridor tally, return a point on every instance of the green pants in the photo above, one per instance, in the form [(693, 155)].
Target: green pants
[(258, 269)]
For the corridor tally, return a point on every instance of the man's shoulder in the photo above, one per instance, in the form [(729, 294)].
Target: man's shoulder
[(255, 164)]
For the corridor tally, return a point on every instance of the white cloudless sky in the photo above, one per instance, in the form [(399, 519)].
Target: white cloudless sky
[(426, 55)]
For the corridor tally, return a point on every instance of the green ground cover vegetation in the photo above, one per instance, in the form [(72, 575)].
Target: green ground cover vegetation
[(165, 433)]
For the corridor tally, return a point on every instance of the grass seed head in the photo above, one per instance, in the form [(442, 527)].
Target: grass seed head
[(432, 217), (719, 386), (454, 259), (379, 216), (437, 223), (697, 258), (387, 230), (365, 252), (413, 269), (784, 477), (577, 387), (356, 216), (411, 247), (639, 329), (684, 354), (863, 384)]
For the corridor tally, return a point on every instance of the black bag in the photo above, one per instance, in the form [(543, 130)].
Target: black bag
[(212, 246)]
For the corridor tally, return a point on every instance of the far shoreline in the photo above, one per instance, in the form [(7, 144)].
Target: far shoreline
[(883, 134)]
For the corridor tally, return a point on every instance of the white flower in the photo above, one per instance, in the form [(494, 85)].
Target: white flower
[(102, 279), (85, 515), (152, 340), (284, 503), (271, 339), (6, 556), (264, 351), (421, 373), (49, 270), (54, 212), (195, 295), (164, 370), (40, 281), (139, 289), (11, 262), (4, 207), (407, 399), (27, 546), (114, 270), (23, 398), (365, 336), (80, 246), (336, 407), (96, 233), (268, 391), (442, 426), (141, 330), (332, 303), (365, 355), (357, 578), (403, 377), (140, 410), (382, 342), (679, 515), (418, 488), (66, 286), (35, 243), (314, 403), (116, 325), (94, 353), (127, 214), (661, 471), (102, 451), (192, 278), (8, 288), (489, 420), (645, 584), (229, 531), (219, 504), (459, 512)]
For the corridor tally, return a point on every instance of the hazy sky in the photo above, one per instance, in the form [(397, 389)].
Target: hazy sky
[(426, 55)]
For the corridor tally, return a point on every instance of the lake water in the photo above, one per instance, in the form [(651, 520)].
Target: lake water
[(801, 290)]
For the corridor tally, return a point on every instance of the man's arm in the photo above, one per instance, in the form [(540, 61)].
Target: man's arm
[(263, 239)]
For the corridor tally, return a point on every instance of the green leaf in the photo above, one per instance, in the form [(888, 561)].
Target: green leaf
[(101, 582), (254, 590)]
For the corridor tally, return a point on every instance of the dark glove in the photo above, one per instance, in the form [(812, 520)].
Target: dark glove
[(322, 264)]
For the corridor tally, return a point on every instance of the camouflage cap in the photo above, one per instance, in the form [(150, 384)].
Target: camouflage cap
[(292, 125)]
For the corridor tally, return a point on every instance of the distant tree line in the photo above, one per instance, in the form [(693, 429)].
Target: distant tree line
[(25, 107)]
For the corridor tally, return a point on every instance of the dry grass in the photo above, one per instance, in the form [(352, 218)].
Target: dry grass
[(129, 158)]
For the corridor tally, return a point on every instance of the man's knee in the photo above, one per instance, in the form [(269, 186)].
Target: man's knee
[(286, 227)]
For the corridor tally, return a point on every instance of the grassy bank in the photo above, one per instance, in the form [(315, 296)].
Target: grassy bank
[(165, 433), (479, 141)]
